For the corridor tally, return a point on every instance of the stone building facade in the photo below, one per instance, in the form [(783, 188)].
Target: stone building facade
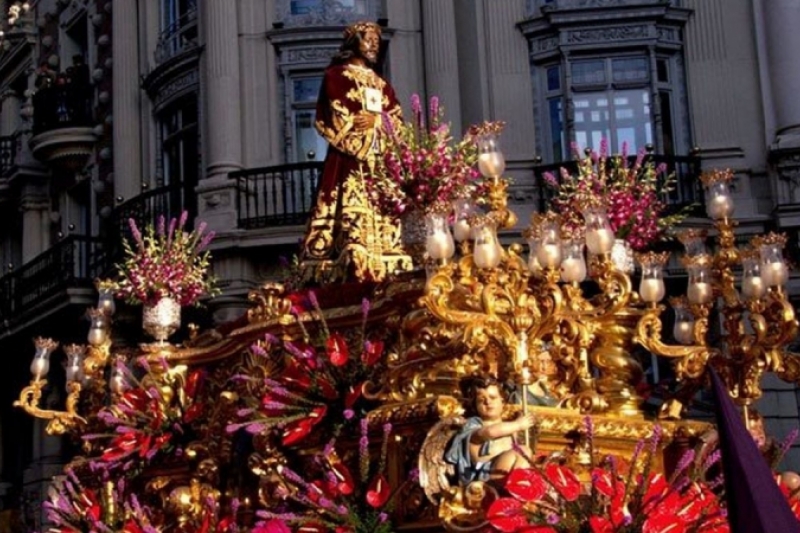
[(205, 104)]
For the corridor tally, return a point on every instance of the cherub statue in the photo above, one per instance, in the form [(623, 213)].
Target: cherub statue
[(461, 458), (485, 448)]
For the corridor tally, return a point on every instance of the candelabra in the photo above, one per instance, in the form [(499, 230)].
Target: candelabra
[(568, 304), (85, 369), (757, 321)]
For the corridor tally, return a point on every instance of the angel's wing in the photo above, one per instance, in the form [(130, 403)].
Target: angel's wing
[(434, 472)]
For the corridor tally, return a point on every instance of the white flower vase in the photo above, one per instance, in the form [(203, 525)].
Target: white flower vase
[(162, 319), (622, 256)]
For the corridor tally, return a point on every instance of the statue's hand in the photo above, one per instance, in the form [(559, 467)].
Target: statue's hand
[(364, 120), (526, 421)]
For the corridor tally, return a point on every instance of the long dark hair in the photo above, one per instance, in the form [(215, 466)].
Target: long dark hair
[(351, 45)]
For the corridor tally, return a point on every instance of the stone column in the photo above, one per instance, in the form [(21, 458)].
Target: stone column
[(33, 204), (222, 86), (9, 113), (127, 125), (441, 58), (777, 42), (783, 41), (222, 112)]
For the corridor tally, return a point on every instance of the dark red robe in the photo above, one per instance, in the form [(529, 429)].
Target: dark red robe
[(346, 237)]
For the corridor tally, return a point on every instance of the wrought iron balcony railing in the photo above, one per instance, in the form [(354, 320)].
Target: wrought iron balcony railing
[(688, 190), (75, 261), (168, 201), (282, 195), (178, 37)]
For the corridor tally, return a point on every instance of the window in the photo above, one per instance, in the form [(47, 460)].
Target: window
[(304, 7), (180, 153), (620, 110), (555, 113), (308, 145), (178, 28), (611, 98), (179, 142)]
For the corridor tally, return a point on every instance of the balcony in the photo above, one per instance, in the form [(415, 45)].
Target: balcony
[(168, 201), (282, 195), (43, 285), (178, 37), (688, 189), (62, 132)]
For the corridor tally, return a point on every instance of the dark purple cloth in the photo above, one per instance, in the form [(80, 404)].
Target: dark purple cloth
[(755, 503)]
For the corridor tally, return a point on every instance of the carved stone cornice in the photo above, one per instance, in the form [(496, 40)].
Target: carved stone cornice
[(173, 78), (575, 24), (327, 13)]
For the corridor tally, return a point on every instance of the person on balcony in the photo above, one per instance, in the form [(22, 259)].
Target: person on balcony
[(346, 238), (79, 90)]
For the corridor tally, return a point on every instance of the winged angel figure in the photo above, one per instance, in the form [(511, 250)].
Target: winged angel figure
[(461, 457)]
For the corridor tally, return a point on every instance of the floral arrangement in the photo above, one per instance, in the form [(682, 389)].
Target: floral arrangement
[(309, 383), (168, 261), (422, 165), (330, 497), (633, 196), (145, 419), (552, 498), (73, 507)]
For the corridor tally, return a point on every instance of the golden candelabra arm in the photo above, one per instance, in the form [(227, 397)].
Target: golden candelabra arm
[(690, 362), (60, 421)]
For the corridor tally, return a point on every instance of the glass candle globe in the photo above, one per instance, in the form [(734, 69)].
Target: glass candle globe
[(491, 162), (683, 329), (105, 301), (651, 286), (719, 203), (438, 239), (98, 327), (486, 253), (774, 271), (753, 286), (462, 209), (117, 382), (533, 261), (573, 264), (75, 355), (549, 251), (699, 290), (40, 365), (599, 235)]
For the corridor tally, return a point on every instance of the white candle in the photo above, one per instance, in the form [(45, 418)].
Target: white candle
[(652, 289), (720, 206), (684, 331), (600, 241), (573, 269), (774, 274), (753, 287), (39, 367), (117, 383), (486, 254), (440, 245), (491, 164), (549, 255), (461, 230), (97, 336), (699, 292), (74, 369)]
